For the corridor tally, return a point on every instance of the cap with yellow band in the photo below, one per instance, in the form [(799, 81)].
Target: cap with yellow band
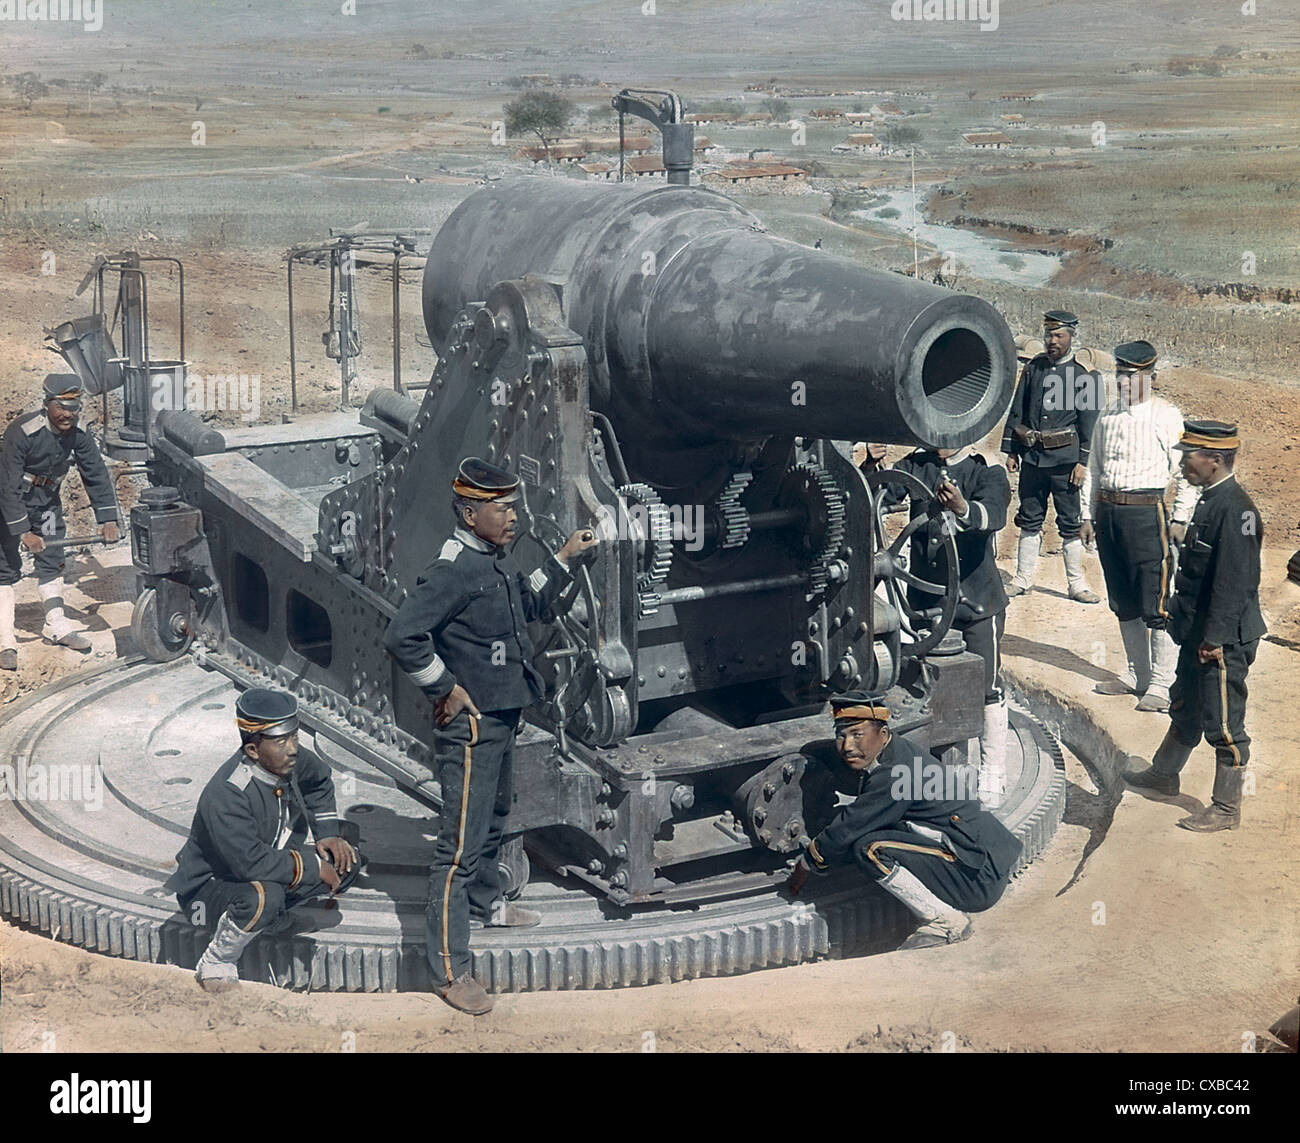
[(266, 712), (481, 480), (858, 706), (65, 388), (1135, 356), (1208, 434)]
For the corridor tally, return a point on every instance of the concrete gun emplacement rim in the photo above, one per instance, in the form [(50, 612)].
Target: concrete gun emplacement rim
[(88, 869)]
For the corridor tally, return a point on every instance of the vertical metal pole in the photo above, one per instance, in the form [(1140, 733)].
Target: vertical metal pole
[(293, 363), (397, 320), (916, 271)]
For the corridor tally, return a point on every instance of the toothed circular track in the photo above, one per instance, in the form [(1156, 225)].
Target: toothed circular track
[(92, 874)]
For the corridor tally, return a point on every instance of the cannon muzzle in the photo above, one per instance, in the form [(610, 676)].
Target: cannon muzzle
[(702, 327)]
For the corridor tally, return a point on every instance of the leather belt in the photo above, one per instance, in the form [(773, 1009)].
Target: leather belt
[(1130, 497), (35, 480), (1056, 438)]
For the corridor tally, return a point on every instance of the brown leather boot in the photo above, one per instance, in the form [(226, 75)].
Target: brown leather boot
[(1224, 810), (465, 994)]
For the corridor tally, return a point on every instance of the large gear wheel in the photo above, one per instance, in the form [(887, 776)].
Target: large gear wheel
[(813, 487), (656, 544), (95, 874)]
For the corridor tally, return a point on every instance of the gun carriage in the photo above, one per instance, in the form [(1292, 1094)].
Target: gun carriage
[(657, 366)]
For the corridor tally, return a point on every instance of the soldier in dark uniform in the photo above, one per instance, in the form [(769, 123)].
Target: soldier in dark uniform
[(35, 453), (942, 856), (462, 637), (1216, 622), (975, 496), (1048, 439), (265, 837)]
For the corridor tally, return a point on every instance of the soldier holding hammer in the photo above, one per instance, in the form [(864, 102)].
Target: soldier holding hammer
[(35, 454)]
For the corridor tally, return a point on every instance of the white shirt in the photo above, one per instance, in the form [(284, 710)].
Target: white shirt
[(1133, 449)]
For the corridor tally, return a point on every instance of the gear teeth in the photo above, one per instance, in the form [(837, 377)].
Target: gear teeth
[(735, 519), (657, 560), (46, 884), (819, 484)]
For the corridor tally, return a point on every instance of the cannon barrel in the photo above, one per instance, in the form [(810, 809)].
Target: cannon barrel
[(702, 327)]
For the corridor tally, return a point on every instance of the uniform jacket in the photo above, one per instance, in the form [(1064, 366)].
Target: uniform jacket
[(30, 445), (1074, 402), (987, 492), (467, 622), (1217, 587), (889, 797), (249, 826)]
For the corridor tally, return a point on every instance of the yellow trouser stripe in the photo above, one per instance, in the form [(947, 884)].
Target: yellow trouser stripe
[(1164, 561), (876, 846), (261, 904), (460, 847), (1223, 711)]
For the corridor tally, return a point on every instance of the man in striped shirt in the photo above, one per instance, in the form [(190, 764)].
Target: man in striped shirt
[(1134, 457)]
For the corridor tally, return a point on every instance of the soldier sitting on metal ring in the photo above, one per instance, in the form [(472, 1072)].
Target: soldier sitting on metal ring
[(914, 825), (266, 837)]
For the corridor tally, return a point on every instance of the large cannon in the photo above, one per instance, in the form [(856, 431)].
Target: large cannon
[(656, 365)]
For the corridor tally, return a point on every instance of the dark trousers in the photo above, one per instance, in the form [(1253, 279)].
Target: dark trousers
[(48, 523), (1137, 560), (253, 905), (1036, 485), (964, 888), (984, 638), (1210, 699), (475, 758)]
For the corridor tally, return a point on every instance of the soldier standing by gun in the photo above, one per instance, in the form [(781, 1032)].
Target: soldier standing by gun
[(1216, 621), (1048, 440), (461, 636), (1134, 456), (977, 495), (36, 451)]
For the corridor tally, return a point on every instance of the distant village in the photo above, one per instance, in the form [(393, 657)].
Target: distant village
[(868, 131)]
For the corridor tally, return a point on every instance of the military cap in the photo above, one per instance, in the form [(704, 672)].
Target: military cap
[(480, 480), (261, 711), (1053, 319), (857, 706), (1208, 434), (1027, 348), (64, 388), (1135, 355)]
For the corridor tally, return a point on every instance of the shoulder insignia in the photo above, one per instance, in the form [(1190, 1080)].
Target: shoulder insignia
[(240, 776), (450, 550), (33, 423)]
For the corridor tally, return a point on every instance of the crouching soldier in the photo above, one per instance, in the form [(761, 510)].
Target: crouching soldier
[(941, 857), (265, 838)]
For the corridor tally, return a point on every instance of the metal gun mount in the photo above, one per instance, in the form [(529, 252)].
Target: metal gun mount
[(655, 365)]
